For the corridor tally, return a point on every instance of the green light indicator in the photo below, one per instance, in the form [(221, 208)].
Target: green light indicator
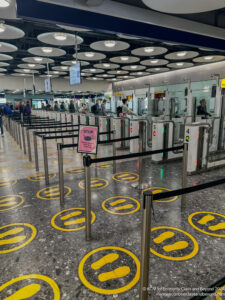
[(162, 154), (163, 130), (161, 173), (187, 138), (106, 123), (106, 138)]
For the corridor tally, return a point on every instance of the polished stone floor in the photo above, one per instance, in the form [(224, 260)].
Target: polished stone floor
[(43, 251)]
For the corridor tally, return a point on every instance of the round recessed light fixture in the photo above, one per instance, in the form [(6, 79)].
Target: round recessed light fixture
[(106, 65), (110, 44), (46, 49), (126, 76), (148, 49), (154, 61), (208, 57), (60, 36), (74, 62), (4, 3), (124, 58), (31, 65), (180, 54), (140, 73), (134, 67), (157, 69), (2, 28), (38, 59), (63, 67), (105, 75), (94, 78), (26, 70), (92, 70), (180, 64), (89, 54), (56, 72)]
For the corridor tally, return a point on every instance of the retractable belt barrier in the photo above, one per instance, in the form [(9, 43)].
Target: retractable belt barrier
[(148, 200), (60, 147), (87, 161)]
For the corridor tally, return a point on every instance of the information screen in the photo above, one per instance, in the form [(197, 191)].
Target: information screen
[(75, 74)]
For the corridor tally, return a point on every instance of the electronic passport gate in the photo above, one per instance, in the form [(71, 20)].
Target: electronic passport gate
[(84, 119), (134, 131), (104, 126)]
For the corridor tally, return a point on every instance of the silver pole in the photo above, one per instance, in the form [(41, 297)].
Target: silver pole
[(61, 177), (87, 201), (24, 141), (19, 132), (35, 152), (28, 145), (45, 160), (141, 130), (114, 154), (184, 174), (145, 244)]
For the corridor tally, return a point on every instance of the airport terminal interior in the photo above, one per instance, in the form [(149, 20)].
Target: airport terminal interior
[(112, 149)]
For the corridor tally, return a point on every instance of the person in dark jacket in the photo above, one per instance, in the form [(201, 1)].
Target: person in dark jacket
[(71, 107), (27, 112), (202, 110), (62, 107), (56, 106), (1, 121)]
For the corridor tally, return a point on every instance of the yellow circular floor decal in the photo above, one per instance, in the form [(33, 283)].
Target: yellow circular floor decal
[(10, 202), (40, 176), (208, 222), (157, 190), (96, 184), (126, 177), (103, 166), (30, 165), (7, 182), (109, 270), (120, 205), (76, 170), (27, 286), (5, 169), (52, 193), (16, 236), (220, 293), (71, 219), (173, 243)]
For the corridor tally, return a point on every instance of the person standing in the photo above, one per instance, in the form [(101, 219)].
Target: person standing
[(56, 106), (125, 110), (103, 107), (27, 112), (71, 107), (62, 107)]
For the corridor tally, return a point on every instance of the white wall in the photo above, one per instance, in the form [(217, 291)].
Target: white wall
[(58, 84)]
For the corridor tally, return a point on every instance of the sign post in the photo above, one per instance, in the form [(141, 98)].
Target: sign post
[(87, 143)]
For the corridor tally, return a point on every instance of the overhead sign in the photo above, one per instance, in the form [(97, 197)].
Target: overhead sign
[(75, 77), (88, 139), (223, 83), (48, 85)]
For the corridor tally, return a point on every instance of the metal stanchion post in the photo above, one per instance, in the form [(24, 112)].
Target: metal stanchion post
[(145, 244), (28, 145), (35, 151), (19, 132), (87, 196), (141, 132), (114, 152), (45, 160), (184, 174), (24, 141), (61, 177)]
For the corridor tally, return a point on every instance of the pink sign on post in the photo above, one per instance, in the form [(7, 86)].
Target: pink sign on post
[(88, 139)]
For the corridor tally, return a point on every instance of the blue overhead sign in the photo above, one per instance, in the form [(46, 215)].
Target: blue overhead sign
[(57, 14)]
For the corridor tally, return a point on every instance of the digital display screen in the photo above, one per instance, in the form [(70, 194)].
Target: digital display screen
[(75, 74)]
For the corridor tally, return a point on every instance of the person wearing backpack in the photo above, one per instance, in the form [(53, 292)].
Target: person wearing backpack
[(95, 109), (71, 107)]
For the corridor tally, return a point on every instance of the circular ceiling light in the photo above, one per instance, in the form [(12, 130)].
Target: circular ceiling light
[(46, 49), (154, 61), (38, 59), (148, 49), (26, 70), (89, 54), (4, 3), (106, 65), (56, 72), (31, 65), (140, 73), (134, 67), (181, 54), (110, 44), (2, 28), (74, 62), (60, 36), (124, 58), (157, 69), (184, 6), (180, 64), (64, 68), (208, 57)]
